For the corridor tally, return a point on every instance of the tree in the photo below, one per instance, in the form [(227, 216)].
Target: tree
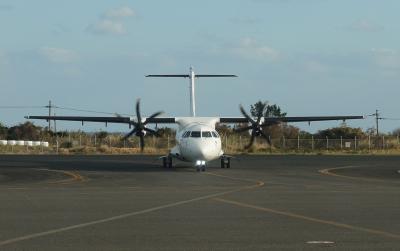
[(396, 132), (3, 131), (25, 131), (277, 130), (264, 109), (337, 132), (258, 109), (274, 111)]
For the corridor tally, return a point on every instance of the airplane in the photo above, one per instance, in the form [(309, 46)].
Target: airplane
[(198, 142)]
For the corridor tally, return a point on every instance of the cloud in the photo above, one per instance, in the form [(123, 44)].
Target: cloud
[(111, 22), (387, 61), (364, 25), (58, 55), (106, 26), (315, 67), (249, 48), (119, 12), (387, 58)]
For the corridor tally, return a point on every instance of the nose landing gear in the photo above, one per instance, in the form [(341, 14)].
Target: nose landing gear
[(200, 165)]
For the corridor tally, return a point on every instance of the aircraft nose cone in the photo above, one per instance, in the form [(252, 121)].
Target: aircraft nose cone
[(206, 152)]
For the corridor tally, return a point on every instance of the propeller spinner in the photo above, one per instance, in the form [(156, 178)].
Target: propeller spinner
[(255, 126), (139, 127)]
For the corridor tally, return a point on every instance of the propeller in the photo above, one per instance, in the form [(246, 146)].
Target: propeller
[(139, 127), (255, 126)]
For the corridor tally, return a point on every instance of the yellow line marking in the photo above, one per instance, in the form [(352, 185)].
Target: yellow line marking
[(258, 182), (127, 215), (76, 177), (329, 171), (307, 218)]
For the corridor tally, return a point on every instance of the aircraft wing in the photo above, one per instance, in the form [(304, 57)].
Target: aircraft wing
[(171, 120), (276, 120), (121, 120)]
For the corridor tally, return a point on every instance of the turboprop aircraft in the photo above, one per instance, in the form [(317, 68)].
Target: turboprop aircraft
[(197, 140)]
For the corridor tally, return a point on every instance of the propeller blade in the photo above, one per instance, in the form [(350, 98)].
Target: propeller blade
[(129, 134), (251, 141), (245, 115), (141, 142), (139, 117), (259, 119), (265, 137), (156, 114)]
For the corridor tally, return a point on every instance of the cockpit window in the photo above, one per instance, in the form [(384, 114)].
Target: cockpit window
[(215, 134), (195, 134), (186, 134), (206, 134)]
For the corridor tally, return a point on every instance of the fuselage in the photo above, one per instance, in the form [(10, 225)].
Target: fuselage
[(197, 140)]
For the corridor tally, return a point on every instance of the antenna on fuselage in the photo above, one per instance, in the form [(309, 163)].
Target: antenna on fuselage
[(192, 76)]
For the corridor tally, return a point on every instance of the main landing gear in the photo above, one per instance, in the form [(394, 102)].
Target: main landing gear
[(167, 161), (225, 162)]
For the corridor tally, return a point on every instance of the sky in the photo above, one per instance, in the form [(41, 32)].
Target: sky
[(310, 57)]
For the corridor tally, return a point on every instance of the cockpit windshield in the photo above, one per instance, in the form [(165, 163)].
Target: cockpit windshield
[(215, 134), (195, 134), (206, 134), (200, 134)]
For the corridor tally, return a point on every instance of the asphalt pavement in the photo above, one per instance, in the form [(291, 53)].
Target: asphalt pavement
[(50, 202)]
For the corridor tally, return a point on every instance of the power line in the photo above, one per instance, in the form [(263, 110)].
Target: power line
[(390, 118), (51, 106), (20, 106), (90, 111)]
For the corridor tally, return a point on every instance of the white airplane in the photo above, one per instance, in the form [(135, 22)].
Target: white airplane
[(197, 140)]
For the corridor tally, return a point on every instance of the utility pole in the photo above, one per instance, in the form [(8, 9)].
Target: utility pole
[(377, 118), (49, 106), (377, 122)]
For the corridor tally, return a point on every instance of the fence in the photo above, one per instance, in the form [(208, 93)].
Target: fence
[(230, 144)]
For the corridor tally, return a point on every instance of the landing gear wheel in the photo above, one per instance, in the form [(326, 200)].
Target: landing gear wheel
[(167, 162), (203, 168), (225, 162)]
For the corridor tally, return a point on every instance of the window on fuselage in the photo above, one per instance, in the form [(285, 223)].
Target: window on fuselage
[(206, 134), (186, 134), (195, 134), (215, 134)]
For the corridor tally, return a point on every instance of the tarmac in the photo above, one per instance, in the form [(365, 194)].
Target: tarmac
[(261, 203)]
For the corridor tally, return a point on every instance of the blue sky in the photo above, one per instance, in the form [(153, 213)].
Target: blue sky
[(311, 57)]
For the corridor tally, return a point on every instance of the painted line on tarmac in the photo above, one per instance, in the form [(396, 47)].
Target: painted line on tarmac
[(258, 182), (321, 242), (131, 214), (311, 219), (75, 177), (330, 172)]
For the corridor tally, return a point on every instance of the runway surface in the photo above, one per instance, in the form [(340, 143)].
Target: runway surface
[(262, 202)]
